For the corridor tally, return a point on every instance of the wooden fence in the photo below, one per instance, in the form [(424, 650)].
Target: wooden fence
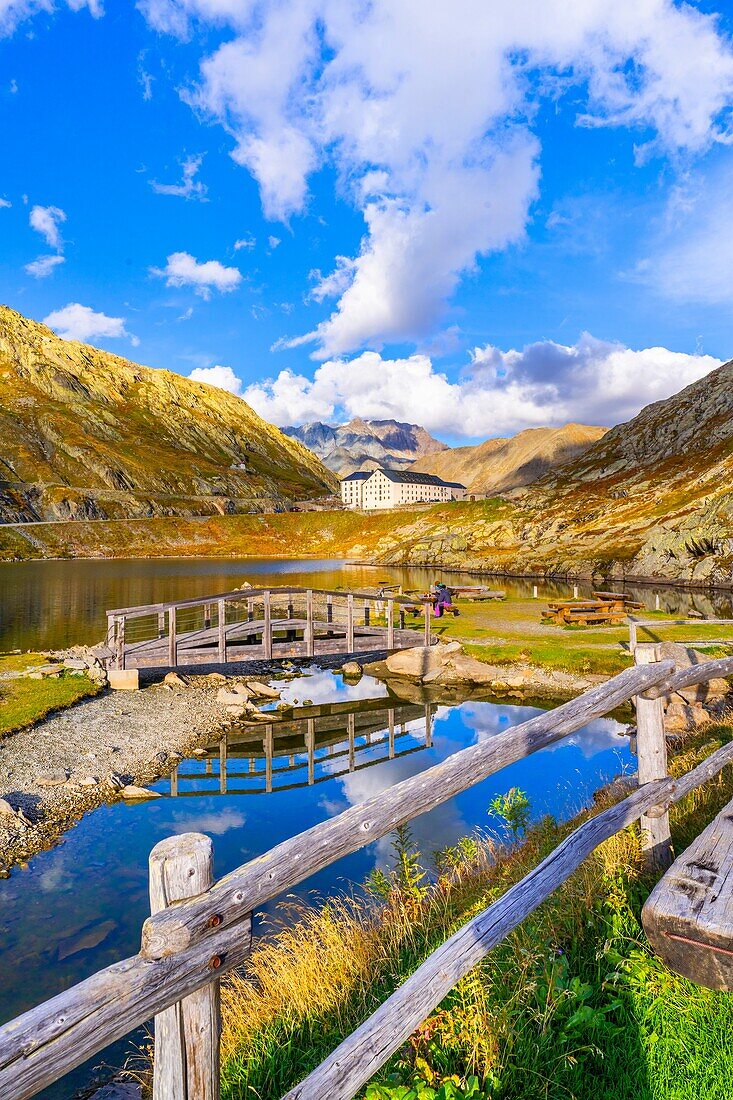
[(637, 624), (265, 623), (199, 929)]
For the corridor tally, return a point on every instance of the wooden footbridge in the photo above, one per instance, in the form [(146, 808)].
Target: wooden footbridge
[(200, 928), (308, 746), (265, 624)]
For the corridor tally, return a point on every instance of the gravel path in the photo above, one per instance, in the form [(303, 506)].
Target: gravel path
[(138, 736)]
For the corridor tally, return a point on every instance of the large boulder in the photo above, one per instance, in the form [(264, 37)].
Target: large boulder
[(438, 664), (415, 663)]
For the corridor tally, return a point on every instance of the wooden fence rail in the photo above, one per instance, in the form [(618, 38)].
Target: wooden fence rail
[(189, 942)]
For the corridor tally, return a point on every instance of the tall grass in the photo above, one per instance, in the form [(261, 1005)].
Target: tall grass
[(572, 1005)]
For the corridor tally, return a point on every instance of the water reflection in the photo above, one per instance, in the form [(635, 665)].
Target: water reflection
[(57, 603)]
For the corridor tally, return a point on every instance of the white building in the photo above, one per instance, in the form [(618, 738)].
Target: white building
[(391, 488)]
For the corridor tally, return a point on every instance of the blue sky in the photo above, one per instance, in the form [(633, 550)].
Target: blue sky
[(476, 217)]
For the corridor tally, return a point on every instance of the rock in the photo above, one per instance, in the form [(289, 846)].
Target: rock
[(708, 692), (76, 663), (89, 937), (352, 670), (263, 691), (242, 690), (462, 668), (131, 793), (6, 810), (217, 677), (115, 781), (119, 1090), (199, 752), (681, 716), (53, 779), (174, 680), (229, 698), (498, 685), (235, 710), (89, 781), (414, 663)]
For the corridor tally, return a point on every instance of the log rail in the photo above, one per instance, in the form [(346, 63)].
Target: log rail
[(188, 943)]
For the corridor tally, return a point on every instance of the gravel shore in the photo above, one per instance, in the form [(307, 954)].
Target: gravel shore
[(56, 770)]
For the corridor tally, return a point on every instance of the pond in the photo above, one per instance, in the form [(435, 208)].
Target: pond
[(80, 906), (50, 604)]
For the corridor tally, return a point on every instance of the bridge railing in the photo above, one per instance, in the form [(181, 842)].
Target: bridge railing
[(162, 629), (199, 929)]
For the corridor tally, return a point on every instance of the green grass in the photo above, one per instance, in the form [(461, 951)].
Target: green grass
[(572, 1006), (24, 701)]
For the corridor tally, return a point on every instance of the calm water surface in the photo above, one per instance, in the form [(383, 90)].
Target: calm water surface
[(46, 604)]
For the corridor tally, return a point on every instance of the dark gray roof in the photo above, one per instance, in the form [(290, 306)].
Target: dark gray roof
[(411, 477), (454, 485), (359, 476)]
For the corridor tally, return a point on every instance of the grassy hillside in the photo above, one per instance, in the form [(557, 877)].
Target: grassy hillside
[(86, 433)]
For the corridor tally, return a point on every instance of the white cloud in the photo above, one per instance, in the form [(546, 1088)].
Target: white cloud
[(183, 269), (5, 204), (44, 266), (545, 384), (428, 118), (223, 378), (247, 243), (189, 187), (77, 322), (46, 220), (15, 12), (273, 242)]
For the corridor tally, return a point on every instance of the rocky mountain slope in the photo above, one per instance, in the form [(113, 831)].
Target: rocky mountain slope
[(366, 444), (652, 498), (500, 465), (86, 433)]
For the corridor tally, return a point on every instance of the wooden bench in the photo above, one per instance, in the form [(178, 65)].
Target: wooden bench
[(688, 916), (582, 612)]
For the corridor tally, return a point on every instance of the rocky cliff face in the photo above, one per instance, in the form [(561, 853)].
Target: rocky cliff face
[(87, 434), (366, 444), (501, 465)]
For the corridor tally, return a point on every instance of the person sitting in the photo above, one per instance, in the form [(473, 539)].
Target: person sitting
[(443, 601)]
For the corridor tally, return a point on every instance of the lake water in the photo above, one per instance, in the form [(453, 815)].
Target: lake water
[(47, 604), (80, 906)]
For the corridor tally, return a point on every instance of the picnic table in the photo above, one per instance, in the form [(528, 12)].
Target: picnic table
[(606, 608)]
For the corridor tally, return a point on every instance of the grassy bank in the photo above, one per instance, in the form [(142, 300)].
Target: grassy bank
[(572, 1005), (24, 701)]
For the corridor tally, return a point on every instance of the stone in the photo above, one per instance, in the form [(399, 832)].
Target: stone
[(115, 781), (708, 692), (236, 711), (263, 691), (131, 793), (229, 698), (217, 677), (119, 1090), (174, 680), (6, 810), (89, 781), (76, 663), (84, 940), (199, 752), (54, 779), (461, 667), (124, 679), (414, 663), (352, 670), (242, 690)]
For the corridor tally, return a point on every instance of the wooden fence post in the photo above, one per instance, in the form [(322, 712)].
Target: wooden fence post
[(390, 624), (349, 623), (267, 627), (309, 632), (172, 641), (222, 630), (269, 750), (632, 636), (651, 746), (121, 642), (329, 608), (427, 609), (390, 731), (161, 624), (367, 610), (186, 1063), (111, 631), (207, 616), (402, 618)]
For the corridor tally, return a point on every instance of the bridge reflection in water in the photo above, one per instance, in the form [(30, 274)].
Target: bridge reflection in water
[(306, 745)]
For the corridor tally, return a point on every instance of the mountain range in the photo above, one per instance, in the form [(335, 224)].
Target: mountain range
[(87, 434), (502, 465), (366, 444)]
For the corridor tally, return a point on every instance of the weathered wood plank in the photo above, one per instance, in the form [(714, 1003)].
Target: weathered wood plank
[(295, 859), (695, 674), (39, 1047), (186, 1063), (688, 916), (651, 744)]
